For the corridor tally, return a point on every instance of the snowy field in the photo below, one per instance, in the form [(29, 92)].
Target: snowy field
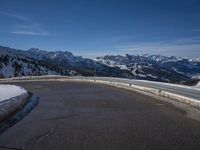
[(198, 85), (10, 91)]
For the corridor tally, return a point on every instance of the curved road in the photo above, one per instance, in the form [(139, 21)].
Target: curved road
[(189, 92), (89, 116)]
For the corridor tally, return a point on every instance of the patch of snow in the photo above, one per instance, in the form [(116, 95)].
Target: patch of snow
[(111, 63), (153, 76), (170, 84), (176, 70), (198, 85), (10, 91), (142, 75), (196, 77), (122, 67)]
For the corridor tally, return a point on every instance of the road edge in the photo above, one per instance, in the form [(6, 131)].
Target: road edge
[(10, 106), (194, 103)]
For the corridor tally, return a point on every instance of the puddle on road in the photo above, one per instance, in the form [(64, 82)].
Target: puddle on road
[(20, 114)]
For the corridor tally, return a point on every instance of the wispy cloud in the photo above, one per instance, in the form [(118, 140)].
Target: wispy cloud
[(27, 26), (14, 15), (30, 33), (34, 29)]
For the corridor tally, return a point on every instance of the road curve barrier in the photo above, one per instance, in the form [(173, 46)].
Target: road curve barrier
[(10, 106), (179, 93)]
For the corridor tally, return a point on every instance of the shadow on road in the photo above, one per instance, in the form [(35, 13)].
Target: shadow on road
[(20, 114)]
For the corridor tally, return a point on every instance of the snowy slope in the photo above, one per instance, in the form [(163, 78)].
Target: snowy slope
[(10, 91), (12, 66), (60, 62), (36, 62), (15, 63), (156, 67), (198, 85)]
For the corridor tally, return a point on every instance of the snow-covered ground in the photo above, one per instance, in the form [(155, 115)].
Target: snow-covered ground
[(10, 91), (198, 85)]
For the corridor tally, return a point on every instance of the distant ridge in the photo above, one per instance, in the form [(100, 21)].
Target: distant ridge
[(16, 62)]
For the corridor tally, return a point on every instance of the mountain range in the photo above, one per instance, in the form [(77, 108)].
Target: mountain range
[(157, 67), (32, 62), (41, 62)]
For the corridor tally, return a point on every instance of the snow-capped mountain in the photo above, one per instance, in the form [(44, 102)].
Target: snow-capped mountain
[(83, 66), (15, 62), (63, 58), (156, 67), (13, 66), (53, 62)]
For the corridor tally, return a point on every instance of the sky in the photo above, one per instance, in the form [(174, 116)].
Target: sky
[(98, 27)]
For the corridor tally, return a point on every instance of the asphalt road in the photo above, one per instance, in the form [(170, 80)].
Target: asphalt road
[(89, 116)]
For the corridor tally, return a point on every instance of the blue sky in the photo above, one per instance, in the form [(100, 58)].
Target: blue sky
[(97, 27)]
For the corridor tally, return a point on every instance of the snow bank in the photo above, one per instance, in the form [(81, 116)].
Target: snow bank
[(198, 85), (10, 91), (12, 98)]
